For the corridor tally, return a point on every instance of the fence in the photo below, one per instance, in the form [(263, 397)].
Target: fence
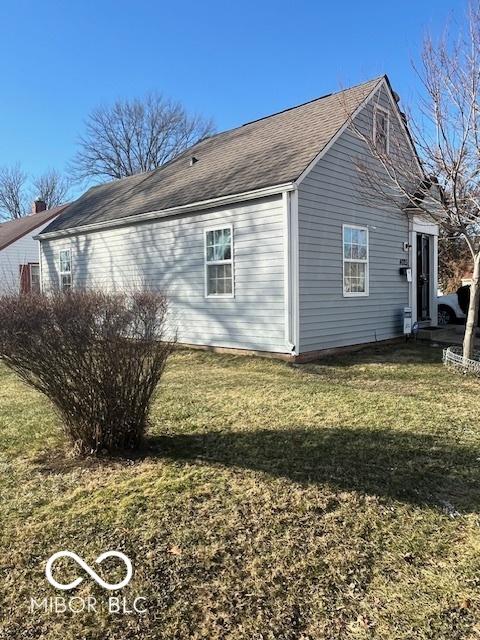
[(453, 357)]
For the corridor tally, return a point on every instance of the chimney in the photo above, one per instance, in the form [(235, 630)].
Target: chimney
[(38, 205)]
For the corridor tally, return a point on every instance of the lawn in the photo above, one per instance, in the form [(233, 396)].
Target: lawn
[(332, 500)]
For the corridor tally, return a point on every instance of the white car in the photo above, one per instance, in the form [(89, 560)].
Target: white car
[(448, 309)]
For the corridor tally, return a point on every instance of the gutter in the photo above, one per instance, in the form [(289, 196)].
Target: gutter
[(173, 211)]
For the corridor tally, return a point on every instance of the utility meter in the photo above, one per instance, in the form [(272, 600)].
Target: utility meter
[(407, 320)]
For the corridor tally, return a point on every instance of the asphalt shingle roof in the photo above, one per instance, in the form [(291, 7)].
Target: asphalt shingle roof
[(266, 152), (13, 230)]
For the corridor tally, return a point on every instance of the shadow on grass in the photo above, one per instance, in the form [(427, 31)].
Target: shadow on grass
[(399, 352), (419, 469)]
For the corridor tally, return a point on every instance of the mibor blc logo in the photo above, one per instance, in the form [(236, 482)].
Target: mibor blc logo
[(79, 604), (89, 570)]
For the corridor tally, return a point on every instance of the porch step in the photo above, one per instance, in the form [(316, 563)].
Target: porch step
[(452, 334)]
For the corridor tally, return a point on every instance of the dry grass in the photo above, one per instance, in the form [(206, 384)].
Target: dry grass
[(336, 500)]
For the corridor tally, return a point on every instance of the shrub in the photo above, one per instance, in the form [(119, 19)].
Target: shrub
[(97, 356)]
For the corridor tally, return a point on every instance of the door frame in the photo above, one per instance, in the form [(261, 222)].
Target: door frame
[(424, 267), (419, 224)]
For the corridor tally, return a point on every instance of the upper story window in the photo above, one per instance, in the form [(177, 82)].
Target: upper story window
[(219, 262), (355, 261), (65, 260), (381, 132)]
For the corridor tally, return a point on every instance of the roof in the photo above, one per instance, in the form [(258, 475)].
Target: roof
[(270, 151), (13, 230)]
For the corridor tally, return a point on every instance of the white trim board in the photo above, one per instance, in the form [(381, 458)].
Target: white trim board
[(422, 225), (295, 273), (290, 248), (287, 269)]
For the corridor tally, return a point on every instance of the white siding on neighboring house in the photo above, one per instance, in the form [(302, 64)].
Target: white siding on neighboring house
[(25, 250), (331, 196), (169, 254)]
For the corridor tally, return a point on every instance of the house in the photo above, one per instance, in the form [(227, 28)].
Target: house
[(260, 236), (19, 261)]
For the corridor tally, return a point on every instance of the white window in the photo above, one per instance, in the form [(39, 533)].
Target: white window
[(219, 262), (355, 261), (381, 132), (65, 260)]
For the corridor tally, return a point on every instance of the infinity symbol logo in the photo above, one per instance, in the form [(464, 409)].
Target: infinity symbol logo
[(93, 574)]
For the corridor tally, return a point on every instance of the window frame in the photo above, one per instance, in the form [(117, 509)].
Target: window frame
[(65, 273), (386, 113), (207, 263), (366, 261)]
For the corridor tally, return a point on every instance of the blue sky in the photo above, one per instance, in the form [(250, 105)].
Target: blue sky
[(233, 61)]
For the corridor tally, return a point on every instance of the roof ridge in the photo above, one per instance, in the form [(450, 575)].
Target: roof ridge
[(303, 104), (277, 113)]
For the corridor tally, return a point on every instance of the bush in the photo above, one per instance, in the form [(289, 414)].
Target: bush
[(98, 357)]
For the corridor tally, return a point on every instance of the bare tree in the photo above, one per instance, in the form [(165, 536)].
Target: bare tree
[(13, 198), (17, 191), (51, 187), (134, 136), (442, 178)]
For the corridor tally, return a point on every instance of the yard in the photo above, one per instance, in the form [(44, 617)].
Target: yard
[(333, 500)]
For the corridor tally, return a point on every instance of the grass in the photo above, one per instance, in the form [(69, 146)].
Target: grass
[(333, 500)]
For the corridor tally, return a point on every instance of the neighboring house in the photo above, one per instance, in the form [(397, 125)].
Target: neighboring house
[(19, 261), (260, 236)]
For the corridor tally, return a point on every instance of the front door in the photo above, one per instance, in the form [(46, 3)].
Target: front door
[(423, 277)]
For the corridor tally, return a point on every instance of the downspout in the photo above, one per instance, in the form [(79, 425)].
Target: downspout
[(411, 260), (290, 226)]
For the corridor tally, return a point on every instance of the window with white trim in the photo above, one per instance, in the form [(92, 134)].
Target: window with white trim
[(381, 130), (219, 262), (65, 263), (355, 261)]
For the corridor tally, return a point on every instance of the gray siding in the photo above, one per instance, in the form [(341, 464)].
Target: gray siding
[(168, 254), (331, 195)]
